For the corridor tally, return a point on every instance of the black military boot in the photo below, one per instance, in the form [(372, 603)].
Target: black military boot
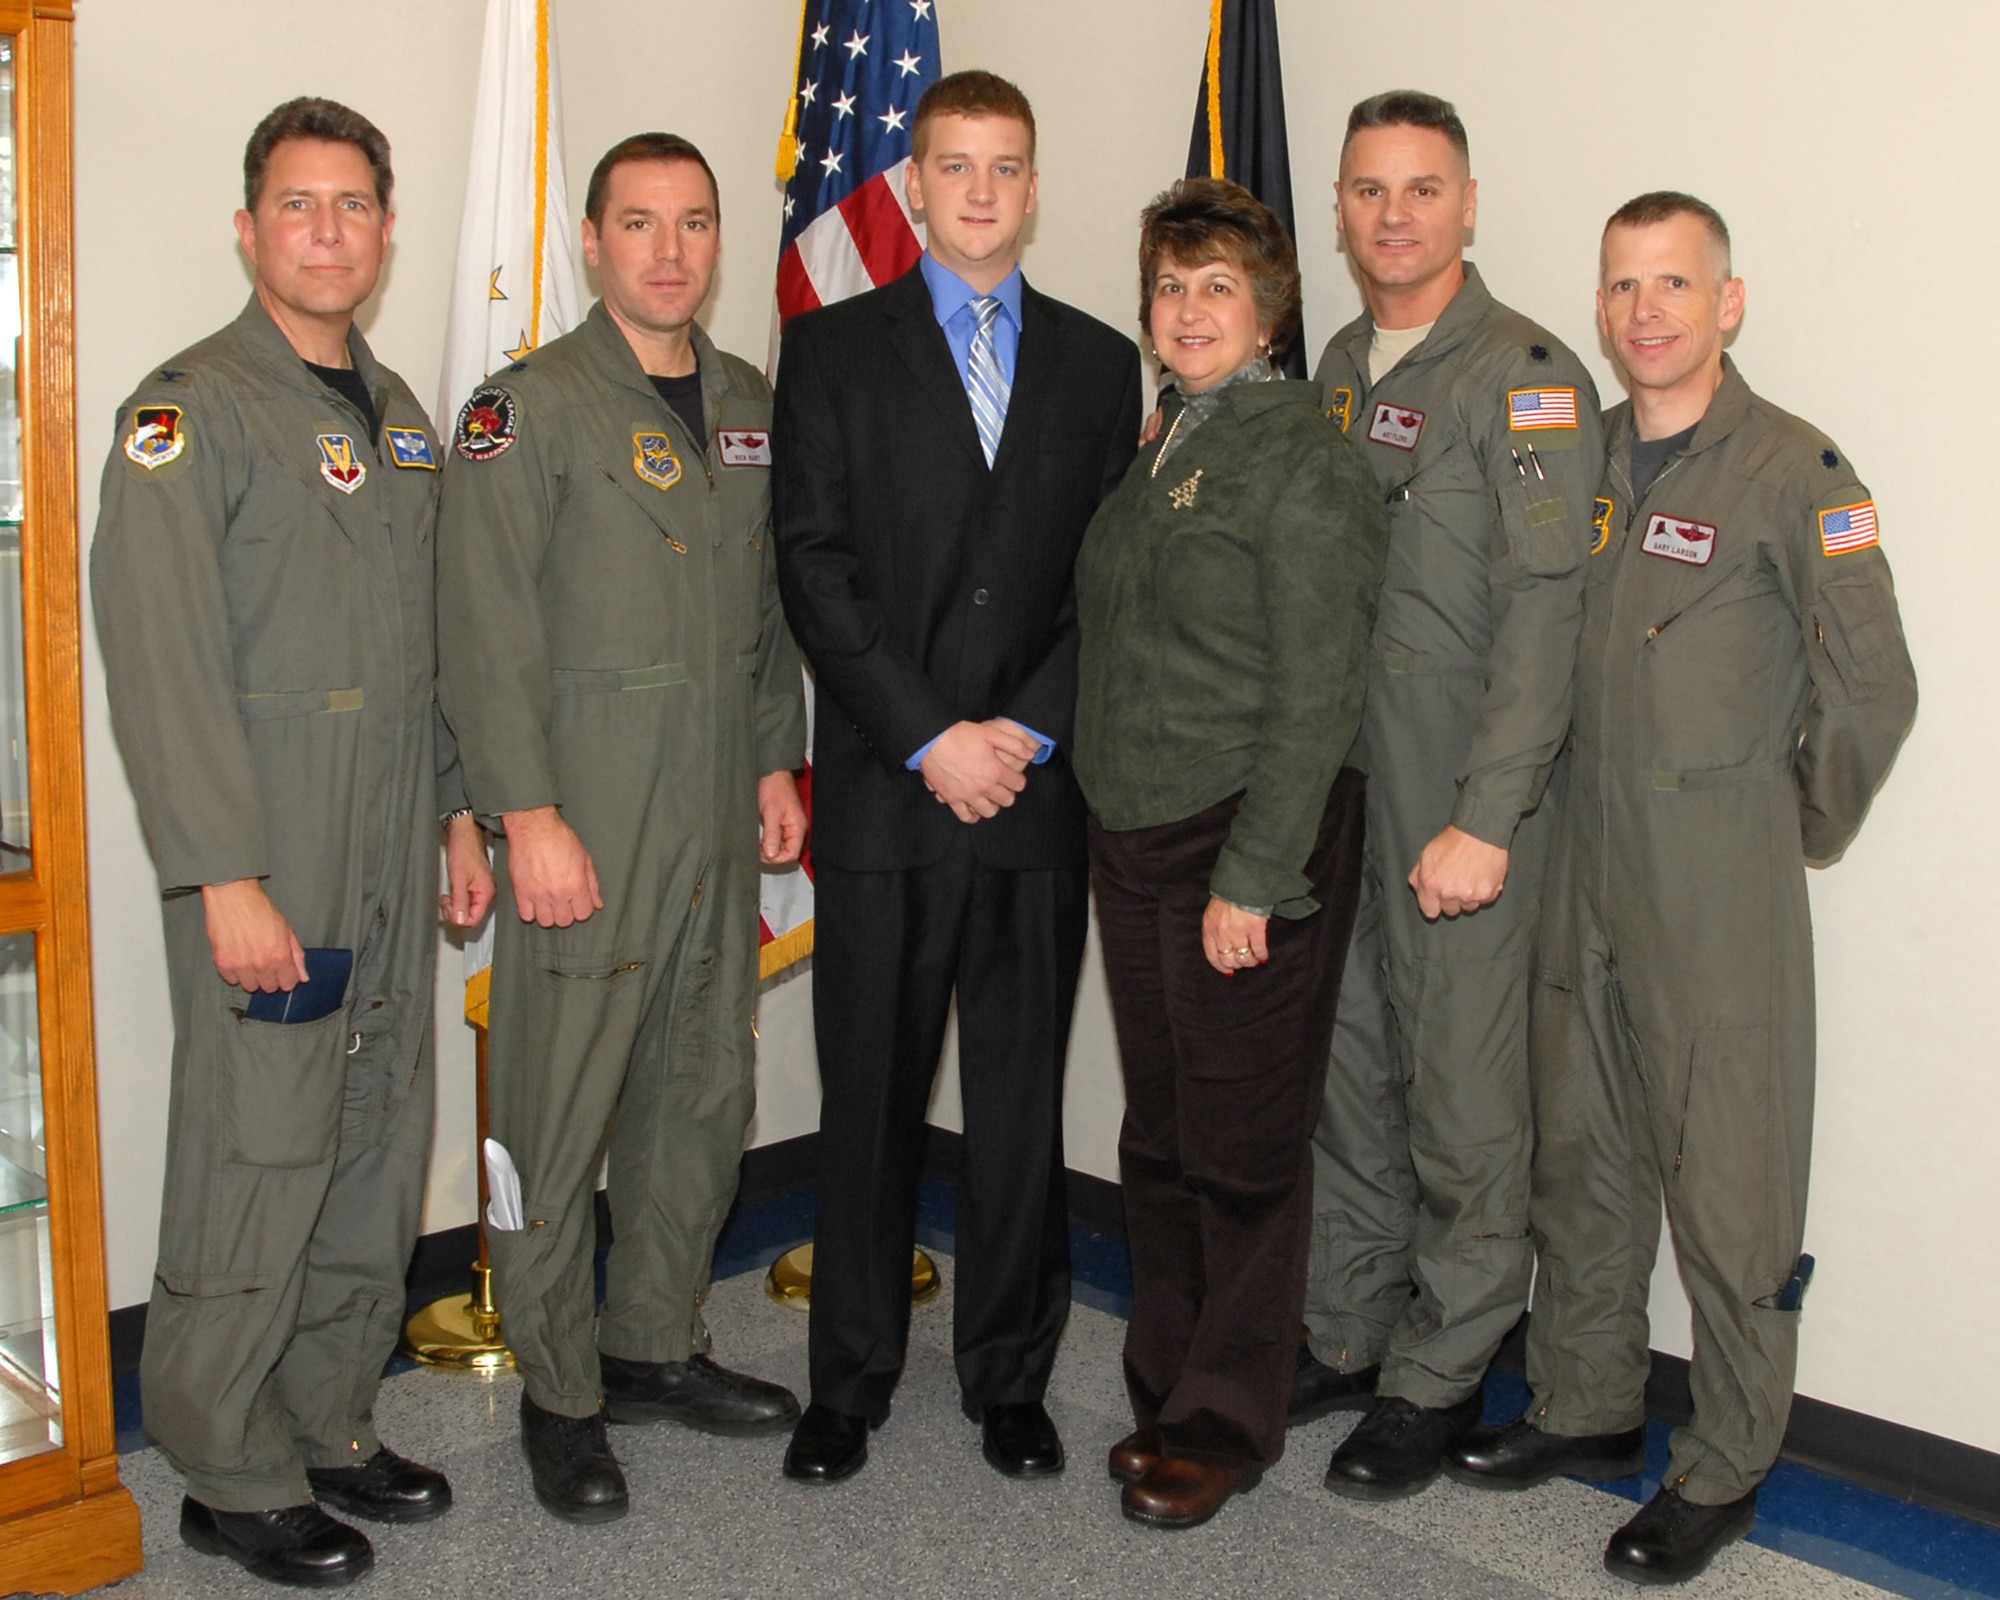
[(1519, 1455), (576, 1475), (298, 1545), (698, 1393), (1318, 1389), (1672, 1540), (1399, 1447), (385, 1487)]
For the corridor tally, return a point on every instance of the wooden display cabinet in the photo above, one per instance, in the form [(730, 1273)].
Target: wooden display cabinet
[(66, 1522)]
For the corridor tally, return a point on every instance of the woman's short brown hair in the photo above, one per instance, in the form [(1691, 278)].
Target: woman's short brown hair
[(1200, 220)]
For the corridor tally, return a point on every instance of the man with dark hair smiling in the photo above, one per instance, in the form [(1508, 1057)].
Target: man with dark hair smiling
[(1742, 688), (942, 442), (1484, 436), (630, 710), (262, 583)]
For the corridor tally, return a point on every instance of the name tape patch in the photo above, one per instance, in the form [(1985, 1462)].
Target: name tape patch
[(1679, 539), (1394, 425), (411, 447), (1848, 528), (1531, 410), (742, 447)]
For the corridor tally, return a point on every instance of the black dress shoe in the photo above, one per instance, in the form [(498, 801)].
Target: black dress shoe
[(299, 1545), (1019, 1440), (827, 1445), (1318, 1389), (1518, 1455), (1176, 1492), (1398, 1448), (698, 1393), (576, 1476), (385, 1487), (1672, 1540)]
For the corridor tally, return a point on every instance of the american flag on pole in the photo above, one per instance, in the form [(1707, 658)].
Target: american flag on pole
[(514, 286), (862, 66)]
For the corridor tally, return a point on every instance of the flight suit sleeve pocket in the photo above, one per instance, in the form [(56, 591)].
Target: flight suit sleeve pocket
[(1544, 537), (1856, 635), (284, 1084)]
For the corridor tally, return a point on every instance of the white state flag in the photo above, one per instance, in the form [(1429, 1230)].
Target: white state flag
[(514, 286)]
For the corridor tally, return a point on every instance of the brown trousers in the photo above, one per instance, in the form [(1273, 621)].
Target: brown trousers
[(1223, 1077)]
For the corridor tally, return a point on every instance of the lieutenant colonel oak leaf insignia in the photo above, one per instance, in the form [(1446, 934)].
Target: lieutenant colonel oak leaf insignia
[(486, 424), (1182, 494), (654, 460), (1848, 528), (1531, 410), (1600, 520), (157, 436), (339, 463)]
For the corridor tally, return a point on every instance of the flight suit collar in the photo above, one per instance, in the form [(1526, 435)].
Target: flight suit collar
[(1468, 310), (1725, 414), (267, 345), (620, 362)]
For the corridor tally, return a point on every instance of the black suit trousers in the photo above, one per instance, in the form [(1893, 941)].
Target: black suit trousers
[(1223, 1077), (891, 949)]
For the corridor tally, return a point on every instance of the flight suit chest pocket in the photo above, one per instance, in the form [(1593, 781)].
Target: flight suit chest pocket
[(282, 1087)]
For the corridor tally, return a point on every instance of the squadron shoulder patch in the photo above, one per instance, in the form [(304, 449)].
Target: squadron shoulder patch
[(743, 447), (157, 436), (1848, 528), (486, 424), (1529, 410), (1394, 425), (1342, 408), (1600, 519), (654, 460), (411, 447), (1678, 539), (340, 463)]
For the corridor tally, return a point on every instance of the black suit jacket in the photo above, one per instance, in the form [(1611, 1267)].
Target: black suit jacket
[(925, 588)]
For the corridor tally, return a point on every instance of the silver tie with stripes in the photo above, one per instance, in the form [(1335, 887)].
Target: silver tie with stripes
[(985, 383)]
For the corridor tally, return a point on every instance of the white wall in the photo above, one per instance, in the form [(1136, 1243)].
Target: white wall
[(1845, 143)]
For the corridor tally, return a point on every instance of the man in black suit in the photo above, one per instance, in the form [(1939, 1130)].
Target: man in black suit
[(942, 443)]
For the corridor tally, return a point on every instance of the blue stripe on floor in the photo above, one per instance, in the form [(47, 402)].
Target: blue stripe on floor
[(1860, 1533)]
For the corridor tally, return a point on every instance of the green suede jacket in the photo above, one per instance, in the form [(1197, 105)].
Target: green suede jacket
[(1225, 602)]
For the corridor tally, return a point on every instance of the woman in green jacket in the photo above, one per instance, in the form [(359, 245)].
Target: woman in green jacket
[(1225, 595)]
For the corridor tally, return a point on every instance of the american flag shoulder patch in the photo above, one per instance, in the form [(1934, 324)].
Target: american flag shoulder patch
[(1532, 409), (1848, 528)]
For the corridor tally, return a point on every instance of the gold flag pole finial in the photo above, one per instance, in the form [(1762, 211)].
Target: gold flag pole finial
[(788, 141)]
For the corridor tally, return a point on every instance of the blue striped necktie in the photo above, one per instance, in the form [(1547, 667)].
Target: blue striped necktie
[(985, 383)]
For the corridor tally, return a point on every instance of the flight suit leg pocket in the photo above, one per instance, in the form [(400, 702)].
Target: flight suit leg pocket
[(284, 1088), (1726, 1188)]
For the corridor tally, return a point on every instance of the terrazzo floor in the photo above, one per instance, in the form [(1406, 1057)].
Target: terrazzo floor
[(927, 1517)]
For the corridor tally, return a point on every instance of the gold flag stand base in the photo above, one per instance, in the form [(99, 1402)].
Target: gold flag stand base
[(789, 1282), (461, 1332)]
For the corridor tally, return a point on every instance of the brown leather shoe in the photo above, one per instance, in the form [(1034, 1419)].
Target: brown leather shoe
[(1132, 1455), (1175, 1492)]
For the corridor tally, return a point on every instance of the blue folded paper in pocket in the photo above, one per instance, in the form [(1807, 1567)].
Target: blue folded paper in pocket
[(327, 972)]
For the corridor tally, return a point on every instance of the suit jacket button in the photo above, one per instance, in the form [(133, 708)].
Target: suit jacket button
[(979, 597)]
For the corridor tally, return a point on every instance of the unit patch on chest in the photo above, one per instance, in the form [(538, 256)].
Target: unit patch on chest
[(654, 460), (1396, 425), (486, 424), (1678, 539), (1341, 410), (1600, 520), (156, 437), (743, 447), (340, 463), (411, 447)]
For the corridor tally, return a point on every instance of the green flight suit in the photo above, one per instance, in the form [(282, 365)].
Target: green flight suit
[(610, 642), (1742, 688), (1487, 444), (262, 582)]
